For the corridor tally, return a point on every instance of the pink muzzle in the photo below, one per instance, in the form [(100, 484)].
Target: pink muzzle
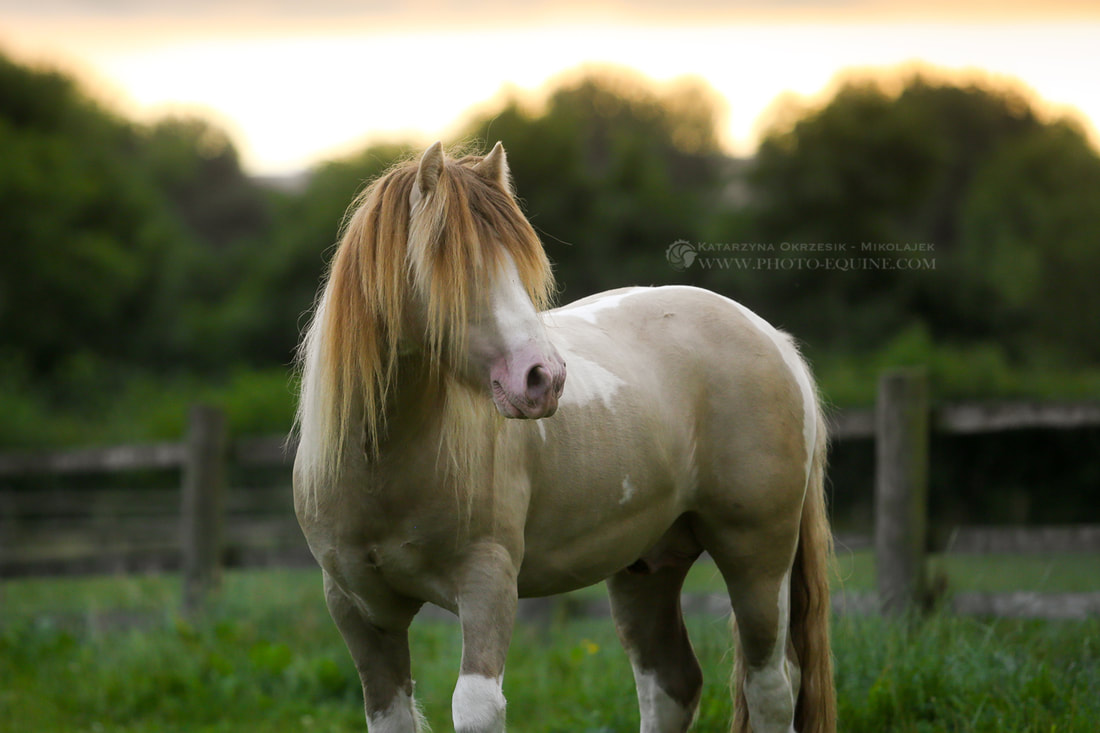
[(528, 382)]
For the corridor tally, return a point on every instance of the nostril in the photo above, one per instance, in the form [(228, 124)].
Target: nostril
[(538, 382)]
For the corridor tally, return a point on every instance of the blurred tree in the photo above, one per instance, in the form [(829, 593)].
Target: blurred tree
[(197, 167), (82, 228), (228, 221), (871, 167), (146, 251), (1030, 230), (611, 171), (122, 245), (272, 301)]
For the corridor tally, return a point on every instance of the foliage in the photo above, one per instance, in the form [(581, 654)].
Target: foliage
[(112, 407), (82, 230), (1030, 229), (267, 656), (143, 266), (226, 219), (610, 172), (306, 227), (972, 171)]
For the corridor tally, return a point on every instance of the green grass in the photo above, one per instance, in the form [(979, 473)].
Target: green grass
[(110, 654), (855, 571), (1046, 573)]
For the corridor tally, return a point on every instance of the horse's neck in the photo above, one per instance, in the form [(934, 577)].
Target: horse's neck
[(413, 407), (435, 421)]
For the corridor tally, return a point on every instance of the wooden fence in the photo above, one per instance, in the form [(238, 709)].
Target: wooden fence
[(196, 523), (900, 424), (201, 521)]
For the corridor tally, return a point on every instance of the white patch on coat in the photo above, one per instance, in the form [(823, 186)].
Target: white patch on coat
[(659, 712), (628, 490), (770, 690), (589, 382), (478, 704), (588, 310), (542, 429), (400, 717)]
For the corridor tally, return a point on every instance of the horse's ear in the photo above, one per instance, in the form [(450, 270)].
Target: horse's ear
[(494, 167), (431, 167)]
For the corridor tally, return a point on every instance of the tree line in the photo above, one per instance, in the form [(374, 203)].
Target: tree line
[(932, 222)]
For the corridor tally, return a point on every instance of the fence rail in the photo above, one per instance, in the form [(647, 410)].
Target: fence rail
[(95, 460), (967, 418), (258, 451), (278, 450), (1024, 540), (203, 524)]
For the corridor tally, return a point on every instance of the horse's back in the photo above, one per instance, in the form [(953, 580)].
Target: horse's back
[(696, 345)]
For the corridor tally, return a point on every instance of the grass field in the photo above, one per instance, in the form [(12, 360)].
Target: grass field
[(110, 654)]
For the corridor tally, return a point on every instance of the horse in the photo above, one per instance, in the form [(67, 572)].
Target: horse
[(444, 457)]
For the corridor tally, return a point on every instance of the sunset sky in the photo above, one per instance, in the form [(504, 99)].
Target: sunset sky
[(295, 82)]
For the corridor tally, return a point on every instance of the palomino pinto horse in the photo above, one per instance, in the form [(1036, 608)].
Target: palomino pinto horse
[(686, 424)]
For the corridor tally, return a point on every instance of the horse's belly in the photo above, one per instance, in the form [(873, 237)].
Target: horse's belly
[(605, 487), (583, 532), (627, 546)]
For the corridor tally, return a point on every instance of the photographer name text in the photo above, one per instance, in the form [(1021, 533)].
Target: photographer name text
[(810, 247)]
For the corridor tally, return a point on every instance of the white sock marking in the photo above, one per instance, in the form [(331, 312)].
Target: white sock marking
[(399, 717), (478, 704), (659, 712), (769, 691)]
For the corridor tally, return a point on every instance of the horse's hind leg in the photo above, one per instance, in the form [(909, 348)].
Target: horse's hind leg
[(756, 569), (645, 603)]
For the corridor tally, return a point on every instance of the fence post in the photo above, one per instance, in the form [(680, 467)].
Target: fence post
[(901, 488), (202, 510)]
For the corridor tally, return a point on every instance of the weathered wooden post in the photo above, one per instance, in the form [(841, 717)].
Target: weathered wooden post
[(203, 504), (901, 488)]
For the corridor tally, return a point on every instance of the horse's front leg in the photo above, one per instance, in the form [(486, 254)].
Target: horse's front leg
[(381, 655), (487, 612)]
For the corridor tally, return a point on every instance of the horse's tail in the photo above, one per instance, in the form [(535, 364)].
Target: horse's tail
[(815, 708)]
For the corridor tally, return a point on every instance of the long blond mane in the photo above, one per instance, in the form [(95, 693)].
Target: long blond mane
[(441, 252)]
